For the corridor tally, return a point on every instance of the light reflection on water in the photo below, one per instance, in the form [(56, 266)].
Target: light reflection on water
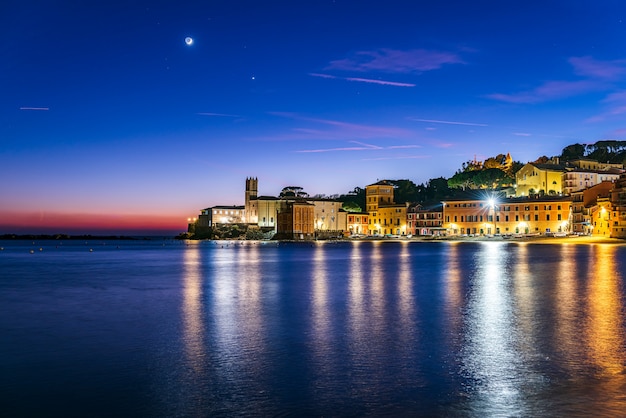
[(363, 328)]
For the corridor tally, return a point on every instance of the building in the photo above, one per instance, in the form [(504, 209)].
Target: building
[(385, 217), (535, 178), (251, 208), (583, 202), (391, 219), (296, 221), (328, 216), (589, 164), (425, 221), (580, 179), (537, 215), (221, 215), (618, 203), (357, 223)]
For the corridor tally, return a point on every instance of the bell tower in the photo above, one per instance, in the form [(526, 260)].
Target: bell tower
[(252, 187)]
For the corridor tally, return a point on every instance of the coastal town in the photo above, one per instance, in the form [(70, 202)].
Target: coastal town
[(580, 197)]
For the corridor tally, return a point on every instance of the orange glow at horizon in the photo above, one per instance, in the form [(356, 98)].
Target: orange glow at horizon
[(14, 222)]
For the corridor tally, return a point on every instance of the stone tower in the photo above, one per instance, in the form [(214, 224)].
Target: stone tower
[(252, 188)]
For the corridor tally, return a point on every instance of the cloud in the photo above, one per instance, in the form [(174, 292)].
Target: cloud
[(550, 90), (364, 80), (401, 157), (448, 122), (34, 108), (395, 61), (521, 134), (362, 147), (615, 105), (607, 70), (337, 130), (597, 76)]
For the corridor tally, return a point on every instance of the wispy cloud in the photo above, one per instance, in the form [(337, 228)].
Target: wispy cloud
[(550, 90), (364, 80), (615, 105), (521, 134), (395, 61), (589, 67), (596, 77), (399, 157), (34, 108), (328, 129), (448, 122), (362, 147), (217, 114)]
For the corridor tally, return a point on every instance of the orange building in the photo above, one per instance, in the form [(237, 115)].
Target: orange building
[(539, 215), (357, 223), (296, 221)]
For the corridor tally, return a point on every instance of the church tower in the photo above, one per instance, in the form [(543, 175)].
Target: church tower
[(252, 187)]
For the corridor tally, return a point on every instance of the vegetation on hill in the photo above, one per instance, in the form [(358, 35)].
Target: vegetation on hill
[(607, 151)]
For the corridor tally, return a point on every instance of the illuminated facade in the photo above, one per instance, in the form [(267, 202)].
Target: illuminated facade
[(509, 216), (251, 208), (296, 221), (381, 209), (589, 164), (391, 219), (579, 179), (536, 178), (618, 206), (328, 215), (221, 215), (583, 204), (425, 221), (357, 223)]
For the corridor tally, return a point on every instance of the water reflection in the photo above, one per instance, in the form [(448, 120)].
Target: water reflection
[(193, 311), (406, 304), (492, 360), (605, 336)]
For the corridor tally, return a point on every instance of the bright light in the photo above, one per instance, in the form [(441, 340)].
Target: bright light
[(492, 202)]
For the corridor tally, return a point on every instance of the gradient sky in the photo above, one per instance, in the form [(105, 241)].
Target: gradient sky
[(109, 121)]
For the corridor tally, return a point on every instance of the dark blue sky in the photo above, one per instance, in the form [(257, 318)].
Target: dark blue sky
[(108, 117)]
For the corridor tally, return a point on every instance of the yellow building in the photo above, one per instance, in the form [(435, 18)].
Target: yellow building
[(618, 205), (602, 217), (533, 178), (391, 219), (385, 216), (508, 216)]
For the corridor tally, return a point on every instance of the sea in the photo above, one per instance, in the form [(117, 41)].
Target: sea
[(166, 328)]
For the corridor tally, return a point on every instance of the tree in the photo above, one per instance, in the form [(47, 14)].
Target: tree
[(462, 180), (404, 191), (573, 152), (351, 206), (293, 191)]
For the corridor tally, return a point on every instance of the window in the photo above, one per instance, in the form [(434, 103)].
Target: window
[(536, 217), (548, 217), (558, 217)]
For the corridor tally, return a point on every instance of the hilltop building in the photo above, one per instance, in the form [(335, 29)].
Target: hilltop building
[(534, 178)]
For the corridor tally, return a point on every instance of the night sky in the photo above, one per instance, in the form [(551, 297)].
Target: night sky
[(110, 121)]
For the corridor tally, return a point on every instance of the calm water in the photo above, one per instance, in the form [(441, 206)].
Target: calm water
[(165, 328)]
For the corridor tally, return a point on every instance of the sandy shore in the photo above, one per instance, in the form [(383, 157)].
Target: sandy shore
[(537, 240)]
